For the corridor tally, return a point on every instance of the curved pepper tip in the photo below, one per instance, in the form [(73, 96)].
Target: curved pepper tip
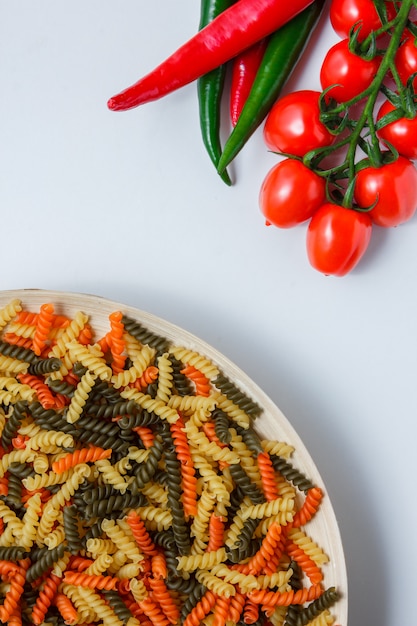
[(112, 104)]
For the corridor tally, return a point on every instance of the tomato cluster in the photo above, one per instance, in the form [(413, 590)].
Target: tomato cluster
[(376, 181)]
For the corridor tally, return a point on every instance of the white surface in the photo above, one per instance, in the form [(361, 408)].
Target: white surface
[(128, 206)]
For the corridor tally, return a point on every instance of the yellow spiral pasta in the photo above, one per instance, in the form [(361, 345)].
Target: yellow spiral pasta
[(267, 509), (310, 547), (141, 361), (215, 584), (80, 397), (202, 561), (200, 362), (111, 476), (60, 349), (9, 311), (11, 365), (91, 357), (165, 379), (121, 540)]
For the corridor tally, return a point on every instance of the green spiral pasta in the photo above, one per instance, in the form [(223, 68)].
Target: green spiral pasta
[(116, 602), (110, 410), (12, 425), (49, 419), (18, 352), (72, 535), (113, 505), (221, 426), (194, 595), (313, 610), (144, 472), (12, 553), (290, 473), (144, 335), (243, 481), (61, 386), (41, 367), (14, 493), (237, 396), (181, 383), (42, 560)]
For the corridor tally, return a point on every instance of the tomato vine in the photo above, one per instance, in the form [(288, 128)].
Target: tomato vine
[(369, 160)]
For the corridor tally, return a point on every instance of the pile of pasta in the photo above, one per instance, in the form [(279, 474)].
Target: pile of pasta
[(134, 488)]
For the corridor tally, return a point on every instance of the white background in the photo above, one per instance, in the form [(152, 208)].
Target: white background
[(128, 206)]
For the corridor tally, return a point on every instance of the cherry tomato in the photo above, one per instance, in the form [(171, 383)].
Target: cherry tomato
[(337, 239), (402, 134), (290, 193), (344, 14), (350, 73), (406, 60), (393, 189), (293, 125)]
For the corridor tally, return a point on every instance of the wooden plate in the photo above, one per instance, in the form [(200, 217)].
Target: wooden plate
[(271, 424)]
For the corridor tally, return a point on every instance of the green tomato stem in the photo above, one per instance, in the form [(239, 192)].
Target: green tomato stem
[(347, 169)]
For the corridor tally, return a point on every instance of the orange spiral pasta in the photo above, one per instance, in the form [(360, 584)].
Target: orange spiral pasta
[(31, 318), (140, 533), (221, 611), (79, 563), (159, 567), (272, 565), (250, 612), (308, 566), (268, 479), (209, 430), (154, 612), (26, 495), (237, 603), (146, 434), (19, 442), (44, 323), (17, 340), (200, 380), (85, 336), (84, 455), (188, 475), (66, 608), (45, 396), (215, 532), (8, 569), (268, 548), (309, 507), (15, 591), (136, 610), (4, 486), (160, 593), (15, 618), (104, 343), (201, 609), (45, 598), (148, 377), (285, 598), (91, 581), (116, 342)]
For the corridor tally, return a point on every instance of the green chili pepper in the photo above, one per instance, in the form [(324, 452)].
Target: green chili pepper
[(282, 54), (210, 89)]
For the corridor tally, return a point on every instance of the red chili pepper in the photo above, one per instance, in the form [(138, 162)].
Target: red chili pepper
[(231, 32), (244, 70)]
